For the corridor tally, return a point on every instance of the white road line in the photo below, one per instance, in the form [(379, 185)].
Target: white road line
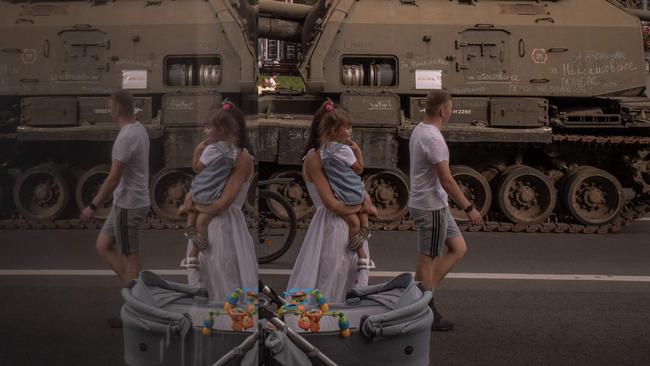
[(498, 276), (644, 219), (388, 274)]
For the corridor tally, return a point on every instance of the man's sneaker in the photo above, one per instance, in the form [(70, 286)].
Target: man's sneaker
[(115, 322), (439, 324)]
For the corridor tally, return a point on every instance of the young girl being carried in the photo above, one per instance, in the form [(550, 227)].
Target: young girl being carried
[(342, 163), (213, 160)]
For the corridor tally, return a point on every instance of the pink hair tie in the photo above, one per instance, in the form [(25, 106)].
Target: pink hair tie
[(225, 106), (329, 106)]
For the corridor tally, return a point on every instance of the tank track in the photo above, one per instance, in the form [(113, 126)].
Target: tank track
[(633, 209), (24, 224)]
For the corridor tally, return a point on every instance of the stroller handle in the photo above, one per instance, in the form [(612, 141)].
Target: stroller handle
[(240, 350), (301, 342), (277, 299), (309, 349)]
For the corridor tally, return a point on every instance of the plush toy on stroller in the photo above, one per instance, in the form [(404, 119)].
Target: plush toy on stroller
[(383, 324)]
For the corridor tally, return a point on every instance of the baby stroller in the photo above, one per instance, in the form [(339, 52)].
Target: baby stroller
[(389, 323), (165, 324)]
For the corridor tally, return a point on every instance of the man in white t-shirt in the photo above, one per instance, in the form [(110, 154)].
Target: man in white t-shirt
[(128, 181), (431, 182)]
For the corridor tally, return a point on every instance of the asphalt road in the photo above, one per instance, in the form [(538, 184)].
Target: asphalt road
[(516, 299)]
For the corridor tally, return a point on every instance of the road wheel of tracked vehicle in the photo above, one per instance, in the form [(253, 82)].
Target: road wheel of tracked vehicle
[(592, 196), (525, 195), (389, 191), (168, 190), (41, 192), (87, 187), (475, 188), (295, 192)]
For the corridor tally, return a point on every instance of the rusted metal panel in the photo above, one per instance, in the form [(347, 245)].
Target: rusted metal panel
[(252, 129), (94, 110), (37, 10), (188, 109), (291, 144), (179, 144), (49, 111), (379, 148), (523, 9), (518, 112), (491, 48), (489, 134), (464, 133), (74, 48), (465, 110), (85, 55), (78, 133), (372, 109), (267, 143)]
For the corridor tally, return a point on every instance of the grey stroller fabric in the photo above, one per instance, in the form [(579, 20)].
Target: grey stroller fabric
[(162, 326), (250, 357), (390, 325), (152, 290), (409, 306), (284, 351), (144, 302), (247, 352)]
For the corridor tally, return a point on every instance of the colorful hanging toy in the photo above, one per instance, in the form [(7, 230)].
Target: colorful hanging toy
[(242, 318), (309, 318)]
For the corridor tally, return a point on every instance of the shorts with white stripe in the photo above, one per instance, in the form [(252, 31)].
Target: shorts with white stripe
[(125, 225), (433, 228)]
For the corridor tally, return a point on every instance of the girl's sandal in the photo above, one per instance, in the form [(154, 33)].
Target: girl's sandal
[(355, 242)]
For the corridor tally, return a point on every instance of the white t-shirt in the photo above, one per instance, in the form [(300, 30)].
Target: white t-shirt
[(344, 154), (427, 148), (131, 147), (272, 83)]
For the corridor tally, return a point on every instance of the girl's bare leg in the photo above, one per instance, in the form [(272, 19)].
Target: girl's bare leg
[(202, 223), (353, 223), (187, 206), (371, 210)]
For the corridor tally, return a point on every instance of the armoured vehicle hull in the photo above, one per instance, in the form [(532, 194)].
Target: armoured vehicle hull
[(59, 62), (549, 123)]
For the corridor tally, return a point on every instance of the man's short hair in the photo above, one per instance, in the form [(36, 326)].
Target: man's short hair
[(435, 100), (124, 100)]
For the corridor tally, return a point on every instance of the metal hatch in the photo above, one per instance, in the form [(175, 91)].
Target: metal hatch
[(83, 56), (484, 55)]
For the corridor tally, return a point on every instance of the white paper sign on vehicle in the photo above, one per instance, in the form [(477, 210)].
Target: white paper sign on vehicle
[(134, 79), (428, 79)]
